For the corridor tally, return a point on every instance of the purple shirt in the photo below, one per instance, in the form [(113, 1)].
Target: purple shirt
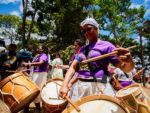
[(96, 49), (43, 66)]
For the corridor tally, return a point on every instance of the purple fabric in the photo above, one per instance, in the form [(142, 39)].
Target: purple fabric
[(96, 49), (125, 83), (42, 67), (71, 59)]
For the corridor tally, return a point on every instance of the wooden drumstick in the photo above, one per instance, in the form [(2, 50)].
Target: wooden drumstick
[(76, 107), (138, 74), (103, 56)]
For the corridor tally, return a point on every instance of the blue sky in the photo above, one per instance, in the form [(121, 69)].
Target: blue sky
[(14, 7)]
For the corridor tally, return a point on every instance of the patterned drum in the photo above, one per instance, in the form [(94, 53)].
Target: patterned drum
[(134, 97), (17, 91)]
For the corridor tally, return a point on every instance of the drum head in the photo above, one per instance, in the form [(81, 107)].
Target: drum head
[(98, 104), (4, 108), (50, 92), (125, 92)]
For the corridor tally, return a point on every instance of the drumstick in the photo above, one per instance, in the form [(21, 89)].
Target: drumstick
[(76, 107), (139, 72), (103, 56)]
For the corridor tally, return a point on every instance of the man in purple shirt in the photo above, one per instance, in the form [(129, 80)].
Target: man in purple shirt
[(93, 76)]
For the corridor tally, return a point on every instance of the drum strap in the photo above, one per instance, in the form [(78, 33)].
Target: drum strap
[(89, 64), (93, 68)]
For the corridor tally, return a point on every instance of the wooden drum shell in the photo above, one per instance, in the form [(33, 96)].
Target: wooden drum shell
[(17, 90)]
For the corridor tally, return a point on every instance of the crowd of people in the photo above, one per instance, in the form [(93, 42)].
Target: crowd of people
[(83, 79)]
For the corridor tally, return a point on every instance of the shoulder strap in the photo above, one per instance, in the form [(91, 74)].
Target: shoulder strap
[(89, 64)]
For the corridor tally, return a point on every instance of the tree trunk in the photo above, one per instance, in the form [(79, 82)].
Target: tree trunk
[(31, 25), (142, 56), (24, 4)]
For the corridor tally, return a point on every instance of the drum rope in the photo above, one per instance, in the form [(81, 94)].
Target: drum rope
[(12, 92)]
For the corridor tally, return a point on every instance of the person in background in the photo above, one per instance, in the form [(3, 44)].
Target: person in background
[(24, 55), (57, 72), (93, 77), (78, 43), (49, 62), (10, 61), (39, 76), (3, 56)]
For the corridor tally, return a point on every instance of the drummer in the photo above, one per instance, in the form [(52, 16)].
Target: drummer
[(39, 76), (93, 77)]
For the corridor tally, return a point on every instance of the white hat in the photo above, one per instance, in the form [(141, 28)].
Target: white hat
[(2, 49), (90, 21)]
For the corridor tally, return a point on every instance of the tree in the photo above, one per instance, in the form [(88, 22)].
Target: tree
[(118, 18), (8, 26), (61, 19)]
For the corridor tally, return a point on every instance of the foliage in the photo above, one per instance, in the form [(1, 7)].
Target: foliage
[(8, 26), (67, 54), (119, 18), (9, 20)]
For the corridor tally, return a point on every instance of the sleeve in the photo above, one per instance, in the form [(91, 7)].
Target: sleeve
[(80, 57), (44, 57)]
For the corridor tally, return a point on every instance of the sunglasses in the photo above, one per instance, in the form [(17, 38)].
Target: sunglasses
[(86, 30)]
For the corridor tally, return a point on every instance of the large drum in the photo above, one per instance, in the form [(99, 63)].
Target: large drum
[(51, 102), (17, 91), (134, 97), (98, 104), (4, 108)]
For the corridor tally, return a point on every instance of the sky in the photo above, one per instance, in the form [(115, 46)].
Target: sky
[(14, 7)]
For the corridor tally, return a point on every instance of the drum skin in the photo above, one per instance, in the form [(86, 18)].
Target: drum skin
[(17, 91), (98, 104), (52, 107)]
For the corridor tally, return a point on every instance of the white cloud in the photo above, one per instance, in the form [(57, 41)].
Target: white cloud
[(7, 1), (15, 13), (135, 6)]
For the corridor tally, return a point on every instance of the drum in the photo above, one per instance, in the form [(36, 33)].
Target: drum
[(51, 102), (4, 108), (119, 83), (98, 104), (134, 97), (17, 90)]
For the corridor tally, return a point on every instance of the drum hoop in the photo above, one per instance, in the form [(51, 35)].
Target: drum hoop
[(7, 79), (51, 80), (144, 105), (137, 92), (97, 97)]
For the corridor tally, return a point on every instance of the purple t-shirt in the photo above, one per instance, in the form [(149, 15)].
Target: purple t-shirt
[(96, 49), (42, 67)]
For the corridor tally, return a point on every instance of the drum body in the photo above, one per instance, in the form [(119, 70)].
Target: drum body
[(98, 104), (134, 97), (51, 102), (17, 91), (4, 108)]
